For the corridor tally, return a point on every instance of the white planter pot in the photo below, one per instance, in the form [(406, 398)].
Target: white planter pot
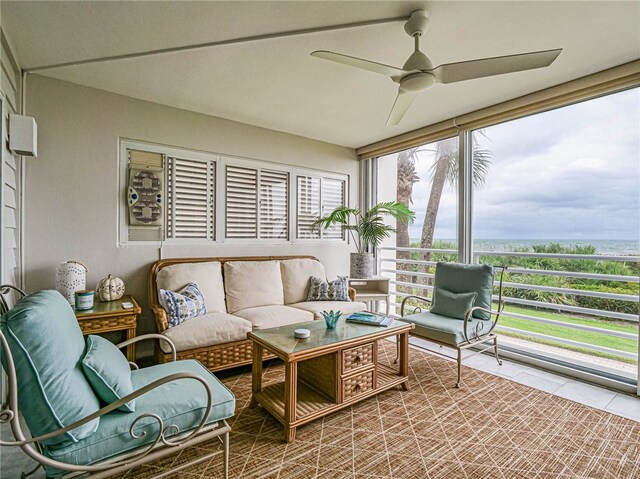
[(361, 265)]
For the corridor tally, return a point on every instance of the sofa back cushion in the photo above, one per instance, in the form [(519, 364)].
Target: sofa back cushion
[(249, 284), (207, 275), (295, 278), (47, 348)]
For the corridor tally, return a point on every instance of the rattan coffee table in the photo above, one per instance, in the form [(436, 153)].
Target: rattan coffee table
[(331, 370)]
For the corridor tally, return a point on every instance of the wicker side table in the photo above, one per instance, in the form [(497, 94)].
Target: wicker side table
[(109, 316)]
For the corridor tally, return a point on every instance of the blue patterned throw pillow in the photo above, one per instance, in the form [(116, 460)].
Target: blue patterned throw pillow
[(336, 290), (182, 305)]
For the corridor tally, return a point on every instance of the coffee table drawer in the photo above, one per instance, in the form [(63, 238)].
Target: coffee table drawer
[(357, 357), (357, 384)]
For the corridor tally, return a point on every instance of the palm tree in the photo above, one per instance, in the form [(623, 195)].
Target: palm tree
[(445, 170), (407, 176)]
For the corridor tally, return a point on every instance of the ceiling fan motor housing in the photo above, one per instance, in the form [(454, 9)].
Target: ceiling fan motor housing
[(417, 81)]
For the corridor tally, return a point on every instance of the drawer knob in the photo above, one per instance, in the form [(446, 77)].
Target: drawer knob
[(357, 387), (357, 359)]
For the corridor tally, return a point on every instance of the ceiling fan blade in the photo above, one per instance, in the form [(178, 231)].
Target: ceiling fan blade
[(400, 106), (358, 63), (484, 67)]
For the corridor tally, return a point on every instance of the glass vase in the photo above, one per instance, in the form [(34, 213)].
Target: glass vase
[(331, 318)]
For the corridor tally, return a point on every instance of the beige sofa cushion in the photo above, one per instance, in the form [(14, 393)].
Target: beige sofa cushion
[(295, 277), (206, 330), (315, 307), (249, 284), (265, 317), (207, 275)]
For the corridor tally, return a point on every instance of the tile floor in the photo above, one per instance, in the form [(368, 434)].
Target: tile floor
[(13, 461)]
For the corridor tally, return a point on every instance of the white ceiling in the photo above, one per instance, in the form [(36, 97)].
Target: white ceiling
[(275, 84)]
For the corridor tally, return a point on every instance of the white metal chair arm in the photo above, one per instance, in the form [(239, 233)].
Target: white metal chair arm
[(417, 308), (160, 337), (479, 322)]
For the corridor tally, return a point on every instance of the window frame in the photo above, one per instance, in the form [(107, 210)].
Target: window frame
[(219, 199)]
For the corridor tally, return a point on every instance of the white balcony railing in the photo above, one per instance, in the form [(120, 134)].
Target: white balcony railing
[(390, 266)]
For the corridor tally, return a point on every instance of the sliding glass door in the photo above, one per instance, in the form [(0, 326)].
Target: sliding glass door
[(560, 206), (555, 197)]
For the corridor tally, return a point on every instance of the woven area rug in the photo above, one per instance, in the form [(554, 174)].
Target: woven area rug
[(489, 428)]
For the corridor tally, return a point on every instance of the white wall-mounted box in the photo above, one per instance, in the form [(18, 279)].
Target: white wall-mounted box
[(23, 135)]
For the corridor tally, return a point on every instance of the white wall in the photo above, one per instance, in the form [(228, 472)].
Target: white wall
[(71, 196)]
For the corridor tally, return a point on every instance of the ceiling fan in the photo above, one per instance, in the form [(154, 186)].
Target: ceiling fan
[(418, 73)]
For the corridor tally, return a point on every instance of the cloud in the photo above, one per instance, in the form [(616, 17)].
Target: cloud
[(570, 173)]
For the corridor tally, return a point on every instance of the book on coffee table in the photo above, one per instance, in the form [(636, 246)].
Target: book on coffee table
[(371, 319)]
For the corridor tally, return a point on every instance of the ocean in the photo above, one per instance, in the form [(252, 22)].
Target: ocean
[(626, 247)]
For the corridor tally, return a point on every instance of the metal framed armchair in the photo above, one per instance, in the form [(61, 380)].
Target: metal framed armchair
[(177, 404), (461, 314)]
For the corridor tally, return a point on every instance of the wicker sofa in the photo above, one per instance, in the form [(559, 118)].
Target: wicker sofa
[(241, 294)]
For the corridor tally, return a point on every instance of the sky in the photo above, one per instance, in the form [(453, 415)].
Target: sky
[(571, 173)]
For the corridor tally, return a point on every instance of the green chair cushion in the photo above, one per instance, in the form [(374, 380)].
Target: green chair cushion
[(454, 305), (108, 372), (181, 402), (443, 330), (47, 347), (467, 278)]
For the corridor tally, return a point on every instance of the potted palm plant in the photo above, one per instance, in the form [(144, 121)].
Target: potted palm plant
[(367, 229)]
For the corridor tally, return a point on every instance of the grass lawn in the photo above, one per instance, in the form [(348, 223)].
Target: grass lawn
[(622, 344)]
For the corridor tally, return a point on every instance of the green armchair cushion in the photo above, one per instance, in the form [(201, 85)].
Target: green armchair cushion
[(47, 347), (181, 402), (467, 278), (454, 305), (442, 330), (108, 372)]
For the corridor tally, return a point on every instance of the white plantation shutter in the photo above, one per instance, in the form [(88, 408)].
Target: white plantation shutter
[(308, 204), (332, 197), (274, 204), (317, 197), (190, 199), (241, 202)]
